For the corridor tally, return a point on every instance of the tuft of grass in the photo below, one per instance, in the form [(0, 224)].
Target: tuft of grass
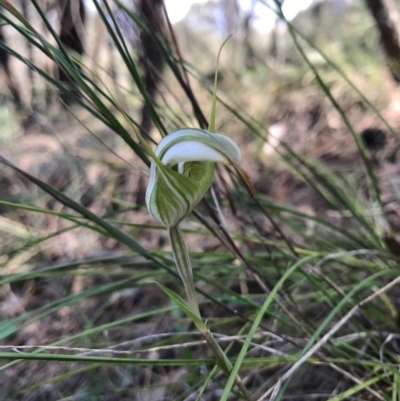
[(299, 285)]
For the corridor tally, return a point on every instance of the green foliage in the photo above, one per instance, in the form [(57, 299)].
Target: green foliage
[(300, 300)]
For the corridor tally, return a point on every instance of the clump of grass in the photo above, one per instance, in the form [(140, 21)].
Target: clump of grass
[(303, 304)]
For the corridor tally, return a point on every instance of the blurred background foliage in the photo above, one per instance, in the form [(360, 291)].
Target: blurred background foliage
[(311, 262)]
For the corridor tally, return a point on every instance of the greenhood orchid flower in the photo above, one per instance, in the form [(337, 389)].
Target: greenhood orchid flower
[(183, 170)]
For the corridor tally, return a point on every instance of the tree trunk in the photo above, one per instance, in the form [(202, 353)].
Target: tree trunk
[(387, 21), (249, 54), (151, 56), (11, 84), (73, 15)]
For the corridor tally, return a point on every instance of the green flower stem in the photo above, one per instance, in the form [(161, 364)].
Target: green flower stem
[(184, 267)]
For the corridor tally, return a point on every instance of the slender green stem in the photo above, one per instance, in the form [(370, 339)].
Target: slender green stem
[(184, 267)]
